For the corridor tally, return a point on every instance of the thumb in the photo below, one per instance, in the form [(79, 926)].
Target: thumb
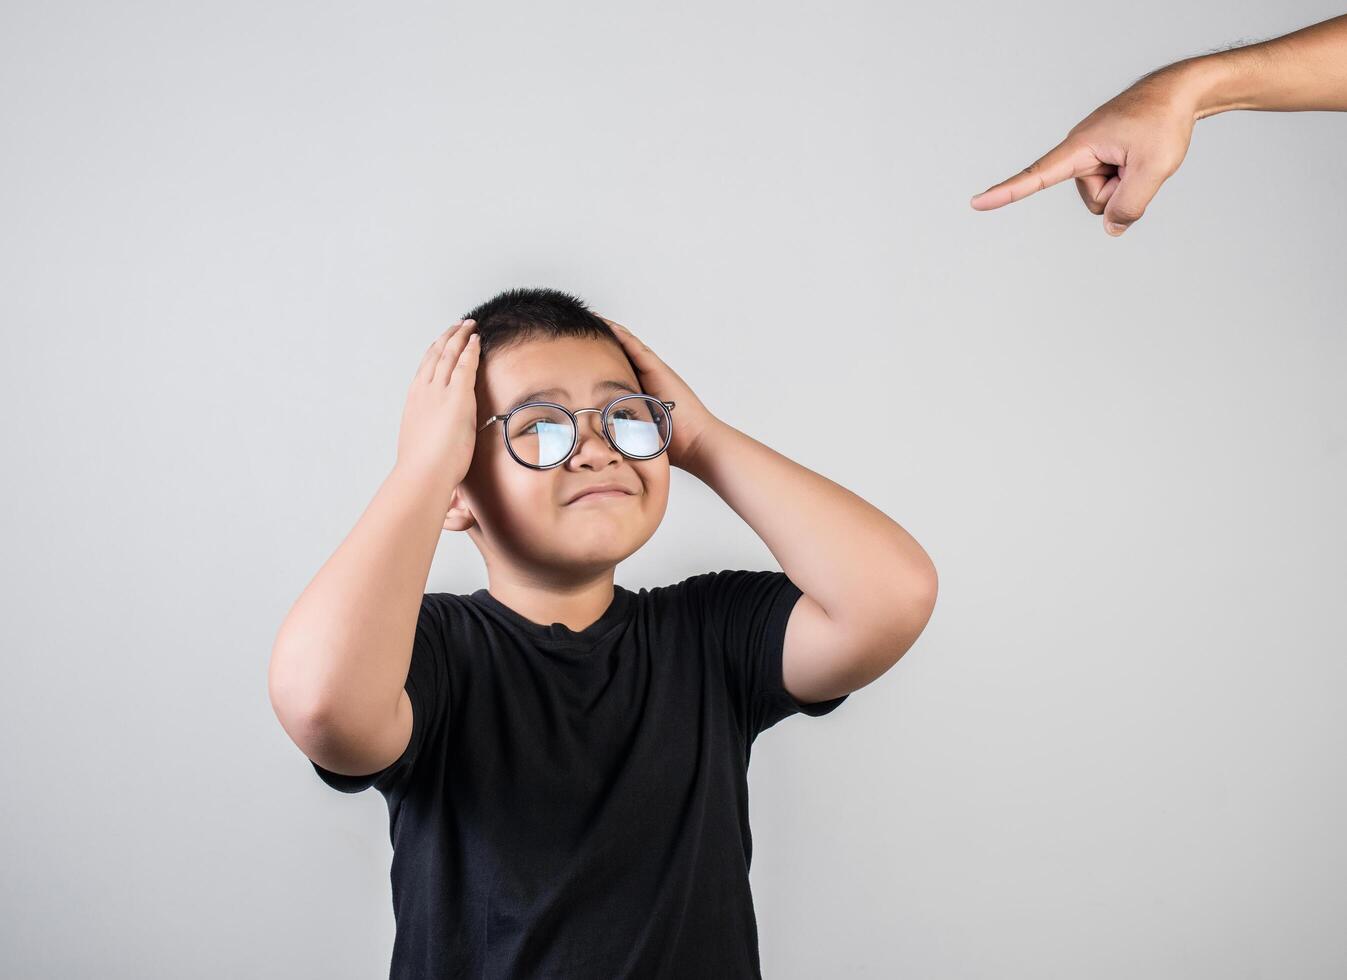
[(1136, 187)]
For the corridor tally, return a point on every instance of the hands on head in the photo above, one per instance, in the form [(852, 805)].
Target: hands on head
[(438, 434), (439, 421)]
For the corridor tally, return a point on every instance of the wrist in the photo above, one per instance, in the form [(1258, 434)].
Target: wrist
[(424, 481), (1218, 82), (702, 452)]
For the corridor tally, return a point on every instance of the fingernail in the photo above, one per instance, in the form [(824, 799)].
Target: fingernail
[(1113, 228)]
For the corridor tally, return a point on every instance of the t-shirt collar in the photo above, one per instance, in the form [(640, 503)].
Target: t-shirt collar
[(559, 632)]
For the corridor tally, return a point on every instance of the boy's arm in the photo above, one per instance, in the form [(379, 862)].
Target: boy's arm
[(340, 661), (341, 657), (869, 587)]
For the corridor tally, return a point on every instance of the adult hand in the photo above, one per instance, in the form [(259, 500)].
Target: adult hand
[(1119, 155), (1122, 152)]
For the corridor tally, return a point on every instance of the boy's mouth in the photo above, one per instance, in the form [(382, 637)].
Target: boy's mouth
[(601, 491)]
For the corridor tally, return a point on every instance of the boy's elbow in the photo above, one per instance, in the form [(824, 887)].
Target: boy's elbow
[(919, 593), (928, 591), (917, 602), (295, 698)]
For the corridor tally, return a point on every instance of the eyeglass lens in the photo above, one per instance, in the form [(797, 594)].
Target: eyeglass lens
[(541, 435)]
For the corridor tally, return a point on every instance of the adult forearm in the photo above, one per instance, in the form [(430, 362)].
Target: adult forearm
[(845, 554), (342, 654), (1304, 70)]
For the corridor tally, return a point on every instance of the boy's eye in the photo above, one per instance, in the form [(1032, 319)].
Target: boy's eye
[(529, 429)]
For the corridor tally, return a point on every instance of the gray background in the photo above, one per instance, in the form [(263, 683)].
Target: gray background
[(230, 230)]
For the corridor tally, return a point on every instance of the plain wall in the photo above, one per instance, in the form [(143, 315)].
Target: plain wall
[(229, 231)]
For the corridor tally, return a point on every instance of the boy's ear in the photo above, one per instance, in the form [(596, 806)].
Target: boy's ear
[(459, 517)]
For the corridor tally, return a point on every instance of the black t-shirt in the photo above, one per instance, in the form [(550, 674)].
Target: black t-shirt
[(575, 804)]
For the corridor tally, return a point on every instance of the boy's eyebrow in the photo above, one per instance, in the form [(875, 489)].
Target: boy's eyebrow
[(602, 387)]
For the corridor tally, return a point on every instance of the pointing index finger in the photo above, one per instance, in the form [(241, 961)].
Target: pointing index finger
[(1055, 166)]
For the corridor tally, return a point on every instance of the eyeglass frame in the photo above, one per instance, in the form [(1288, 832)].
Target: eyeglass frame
[(575, 428)]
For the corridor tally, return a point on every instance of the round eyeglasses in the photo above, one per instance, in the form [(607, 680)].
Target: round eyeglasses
[(541, 435)]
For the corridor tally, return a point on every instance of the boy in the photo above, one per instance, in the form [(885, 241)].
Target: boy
[(564, 760)]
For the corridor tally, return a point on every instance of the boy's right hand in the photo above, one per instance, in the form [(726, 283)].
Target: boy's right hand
[(439, 423)]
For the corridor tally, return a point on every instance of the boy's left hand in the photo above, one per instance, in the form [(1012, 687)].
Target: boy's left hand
[(691, 419)]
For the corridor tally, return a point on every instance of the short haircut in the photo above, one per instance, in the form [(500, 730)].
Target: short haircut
[(519, 315)]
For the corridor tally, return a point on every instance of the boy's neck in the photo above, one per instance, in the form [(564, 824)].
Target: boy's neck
[(575, 606)]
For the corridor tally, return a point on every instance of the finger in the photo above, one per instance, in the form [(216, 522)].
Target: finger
[(643, 359), (426, 370), (1137, 185), (463, 379), (1066, 159), (453, 347), (1110, 186), (1090, 187), (616, 327), (641, 355), (629, 341)]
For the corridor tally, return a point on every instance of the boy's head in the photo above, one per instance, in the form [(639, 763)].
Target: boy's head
[(522, 519)]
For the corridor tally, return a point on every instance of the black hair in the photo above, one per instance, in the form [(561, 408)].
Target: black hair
[(519, 315)]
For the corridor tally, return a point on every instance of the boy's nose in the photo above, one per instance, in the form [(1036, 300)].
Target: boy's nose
[(590, 434)]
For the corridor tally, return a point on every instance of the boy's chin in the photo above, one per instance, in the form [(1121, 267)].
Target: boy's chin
[(605, 553)]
